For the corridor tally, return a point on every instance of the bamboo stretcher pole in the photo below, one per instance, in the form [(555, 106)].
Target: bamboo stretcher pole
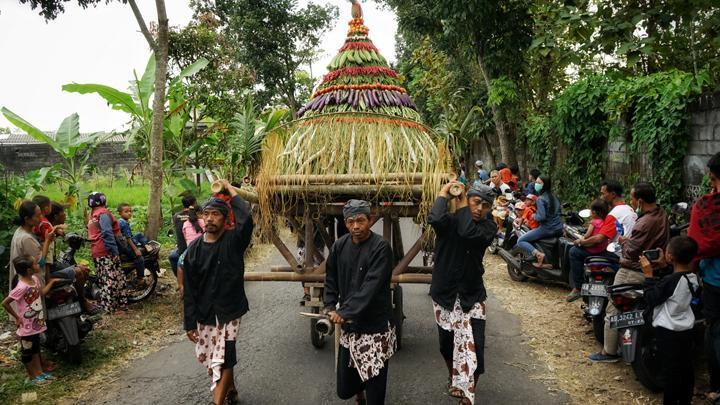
[(359, 190), (279, 274), (216, 187), (291, 179)]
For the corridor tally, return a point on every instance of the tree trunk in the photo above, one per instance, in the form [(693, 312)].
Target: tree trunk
[(507, 152), (156, 135)]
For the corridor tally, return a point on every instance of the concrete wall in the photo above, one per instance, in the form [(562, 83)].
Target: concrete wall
[(23, 158)]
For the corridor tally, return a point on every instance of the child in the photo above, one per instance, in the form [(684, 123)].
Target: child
[(598, 211), (528, 215), (500, 212), (132, 251), (193, 227), (27, 296), (673, 317)]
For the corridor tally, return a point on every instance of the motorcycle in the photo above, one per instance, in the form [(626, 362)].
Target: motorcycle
[(557, 253), (151, 255), (599, 274), (637, 341)]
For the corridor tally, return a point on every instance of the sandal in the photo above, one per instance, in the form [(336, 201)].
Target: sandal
[(48, 376), (39, 380), (539, 263)]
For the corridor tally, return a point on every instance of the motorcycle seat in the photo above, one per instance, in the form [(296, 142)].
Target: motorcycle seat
[(602, 259)]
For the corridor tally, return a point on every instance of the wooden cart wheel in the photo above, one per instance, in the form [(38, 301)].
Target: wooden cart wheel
[(398, 315), (317, 339)]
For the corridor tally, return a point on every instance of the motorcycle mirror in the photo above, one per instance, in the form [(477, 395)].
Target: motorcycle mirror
[(681, 206), (584, 213), (613, 247)]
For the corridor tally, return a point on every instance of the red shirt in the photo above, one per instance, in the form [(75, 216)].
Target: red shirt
[(43, 228)]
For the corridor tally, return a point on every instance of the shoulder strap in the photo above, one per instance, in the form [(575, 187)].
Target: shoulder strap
[(694, 291)]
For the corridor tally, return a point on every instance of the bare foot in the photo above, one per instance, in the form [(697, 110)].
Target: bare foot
[(540, 257)]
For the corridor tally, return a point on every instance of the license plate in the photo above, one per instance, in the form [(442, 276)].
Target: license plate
[(627, 319), (64, 310), (594, 290)]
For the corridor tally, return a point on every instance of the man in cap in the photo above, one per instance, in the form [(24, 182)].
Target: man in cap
[(214, 290), (357, 296), (457, 289), (482, 174)]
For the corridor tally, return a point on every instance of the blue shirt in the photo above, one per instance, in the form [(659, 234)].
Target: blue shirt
[(710, 271), (548, 213), (125, 228), (483, 175)]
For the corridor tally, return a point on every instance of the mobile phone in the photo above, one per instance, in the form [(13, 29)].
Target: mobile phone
[(652, 255)]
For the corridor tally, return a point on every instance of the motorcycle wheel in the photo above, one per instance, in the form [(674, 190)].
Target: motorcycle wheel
[(139, 295), (598, 324), (647, 361), (516, 273)]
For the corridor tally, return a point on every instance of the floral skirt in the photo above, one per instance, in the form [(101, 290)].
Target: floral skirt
[(210, 347), (111, 281)]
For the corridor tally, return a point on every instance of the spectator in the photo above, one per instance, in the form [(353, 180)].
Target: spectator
[(179, 219), (192, 229), (105, 236), (672, 317), (482, 174), (528, 215), (499, 187), (600, 232), (705, 230), (532, 177), (651, 231), (79, 273), (515, 177), (27, 297), (548, 217), (130, 250), (45, 208), (24, 241), (622, 214)]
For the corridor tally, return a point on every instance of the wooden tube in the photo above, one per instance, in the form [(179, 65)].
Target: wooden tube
[(217, 187)]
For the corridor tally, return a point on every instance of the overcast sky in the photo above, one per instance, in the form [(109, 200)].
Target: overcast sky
[(103, 45)]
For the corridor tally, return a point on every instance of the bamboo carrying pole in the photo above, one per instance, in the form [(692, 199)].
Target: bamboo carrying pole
[(319, 278), (291, 179), (217, 187)]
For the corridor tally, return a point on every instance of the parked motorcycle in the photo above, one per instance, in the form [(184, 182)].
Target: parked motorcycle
[(599, 274), (637, 341), (151, 254), (557, 253)]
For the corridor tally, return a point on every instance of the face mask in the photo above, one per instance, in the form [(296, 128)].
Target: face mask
[(538, 187), (638, 210)]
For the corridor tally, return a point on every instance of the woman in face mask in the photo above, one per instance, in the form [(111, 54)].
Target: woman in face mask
[(548, 216)]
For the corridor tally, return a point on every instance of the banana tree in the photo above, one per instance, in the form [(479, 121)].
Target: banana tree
[(246, 134), (74, 149), (137, 103)]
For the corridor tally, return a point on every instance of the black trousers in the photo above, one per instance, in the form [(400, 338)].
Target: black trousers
[(349, 383), (447, 343), (712, 352), (677, 365)]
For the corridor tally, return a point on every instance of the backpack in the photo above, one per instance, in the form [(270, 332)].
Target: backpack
[(695, 303)]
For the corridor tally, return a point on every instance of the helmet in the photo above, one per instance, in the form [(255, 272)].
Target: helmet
[(96, 199)]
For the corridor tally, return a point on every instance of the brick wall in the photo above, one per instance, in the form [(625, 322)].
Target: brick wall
[(23, 158)]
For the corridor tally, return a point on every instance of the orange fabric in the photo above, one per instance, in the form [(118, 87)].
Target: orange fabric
[(529, 216), (506, 176)]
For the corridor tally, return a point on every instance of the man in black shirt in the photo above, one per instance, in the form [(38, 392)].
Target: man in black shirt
[(214, 295), (357, 296), (457, 289)]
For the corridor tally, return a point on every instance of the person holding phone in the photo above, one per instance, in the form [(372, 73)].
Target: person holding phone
[(651, 231)]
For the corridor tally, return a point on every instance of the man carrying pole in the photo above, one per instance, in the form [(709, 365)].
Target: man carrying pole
[(457, 289), (358, 297), (214, 290)]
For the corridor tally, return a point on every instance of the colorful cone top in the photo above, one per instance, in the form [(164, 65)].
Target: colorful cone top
[(360, 80)]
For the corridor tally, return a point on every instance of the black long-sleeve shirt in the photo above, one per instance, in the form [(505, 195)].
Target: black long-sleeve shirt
[(357, 276), (178, 220), (460, 245), (213, 273)]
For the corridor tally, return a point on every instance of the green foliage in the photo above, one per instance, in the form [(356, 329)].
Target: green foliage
[(658, 128), (503, 92), (536, 132), (274, 38)]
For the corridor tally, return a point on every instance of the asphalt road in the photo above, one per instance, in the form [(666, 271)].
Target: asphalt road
[(278, 365)]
